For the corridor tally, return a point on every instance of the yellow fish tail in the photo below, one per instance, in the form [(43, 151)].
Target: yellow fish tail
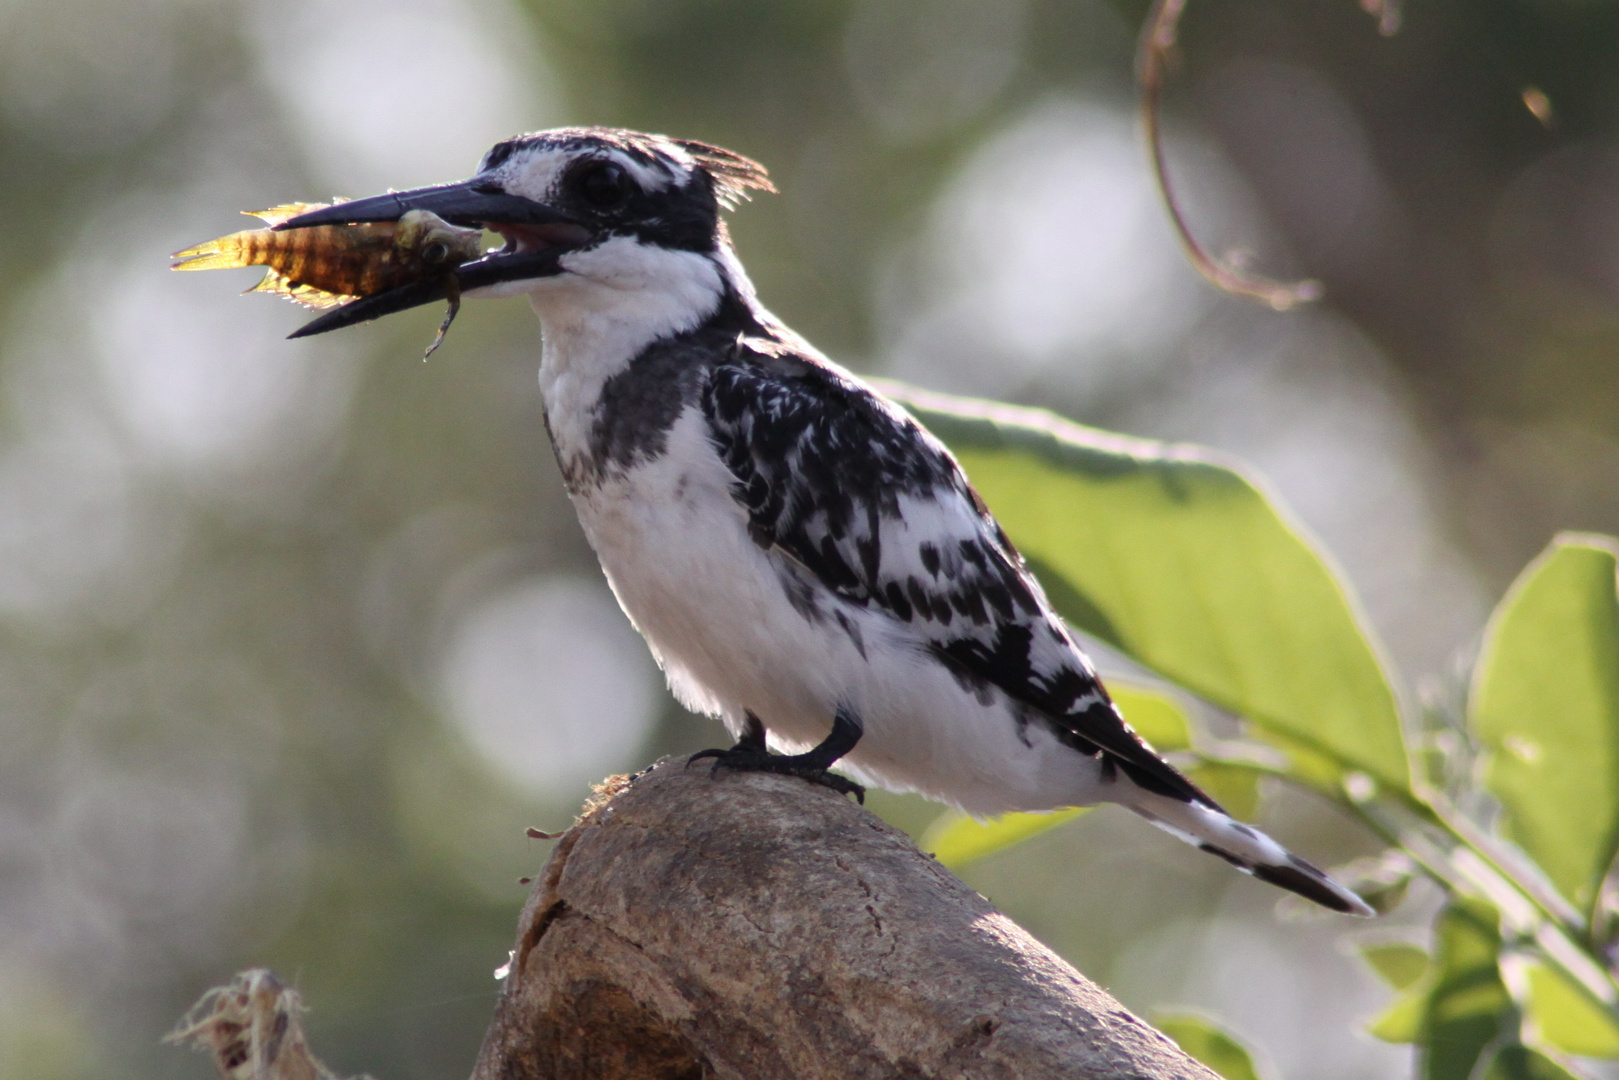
[(220, 254)]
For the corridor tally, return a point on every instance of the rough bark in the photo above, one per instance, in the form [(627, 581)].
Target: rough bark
[(696, 926), (745, 925)]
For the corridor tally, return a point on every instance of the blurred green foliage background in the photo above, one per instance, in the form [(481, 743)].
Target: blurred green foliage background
[(295, 638)]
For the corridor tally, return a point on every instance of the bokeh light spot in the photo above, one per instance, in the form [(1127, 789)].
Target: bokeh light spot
[(550, 683)]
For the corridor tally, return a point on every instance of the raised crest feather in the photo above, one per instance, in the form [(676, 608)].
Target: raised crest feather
[(734, 175)]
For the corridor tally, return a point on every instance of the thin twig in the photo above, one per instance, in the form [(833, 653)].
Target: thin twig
[(1553, 940), (1558, 931), (1157, 39)]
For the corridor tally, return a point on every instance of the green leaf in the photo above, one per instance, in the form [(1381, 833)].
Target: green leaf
[(1177, 558), (1546, 704), (1398, 963), (1156, 717), (1401, 1022), (1409, 969), (1213, 1046), (1521, 1063), (1469, 1008), (1232, 786), (1564, 1018), (956, 840)]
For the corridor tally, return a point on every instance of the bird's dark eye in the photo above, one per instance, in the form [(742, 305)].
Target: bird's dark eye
[(604, 185)]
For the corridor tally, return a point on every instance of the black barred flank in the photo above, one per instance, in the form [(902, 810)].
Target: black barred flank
[(826, 473), (639, 404), (819, 466)]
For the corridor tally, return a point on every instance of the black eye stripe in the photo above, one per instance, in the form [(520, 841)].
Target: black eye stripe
[(664, 197), (604, 185)]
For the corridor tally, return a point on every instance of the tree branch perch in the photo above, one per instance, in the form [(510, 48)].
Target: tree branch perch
[(748, 925), (744, 925)]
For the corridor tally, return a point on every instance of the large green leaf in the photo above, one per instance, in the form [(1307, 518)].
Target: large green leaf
[(1410, 970), (1458, 1009), (956, 839), (1174, 556), (1398, 963), (1521, 1063), (1546, 704), (1155, 716), (1564, 1018), (1212, 1045), (1234, 787), (1402, 1021), (1469, 1008)]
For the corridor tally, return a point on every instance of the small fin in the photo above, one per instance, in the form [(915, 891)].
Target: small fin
[(317, 299), (275, 215), (276, 284)]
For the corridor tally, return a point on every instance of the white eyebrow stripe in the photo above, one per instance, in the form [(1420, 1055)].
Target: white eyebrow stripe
[(536, 174), (653, 177)]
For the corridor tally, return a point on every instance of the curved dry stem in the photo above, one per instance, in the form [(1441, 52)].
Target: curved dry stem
[(1228, 275)]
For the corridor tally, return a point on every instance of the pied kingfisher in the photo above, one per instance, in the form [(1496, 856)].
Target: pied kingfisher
[(803, 559)]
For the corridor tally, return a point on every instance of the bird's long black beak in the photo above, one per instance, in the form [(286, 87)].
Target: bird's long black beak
[(466, 202), (537, 236)]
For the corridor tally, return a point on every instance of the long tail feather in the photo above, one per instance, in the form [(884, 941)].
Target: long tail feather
[(1244, 847)]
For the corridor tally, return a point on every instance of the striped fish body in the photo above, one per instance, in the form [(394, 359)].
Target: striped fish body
[(326, 265)]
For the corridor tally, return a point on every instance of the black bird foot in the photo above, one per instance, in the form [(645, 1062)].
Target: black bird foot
[(749, 755), (745, 758)]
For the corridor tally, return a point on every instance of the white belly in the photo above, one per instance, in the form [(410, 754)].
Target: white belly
[(711, 604)]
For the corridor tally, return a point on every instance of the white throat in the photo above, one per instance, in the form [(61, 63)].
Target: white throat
[(614, 300)]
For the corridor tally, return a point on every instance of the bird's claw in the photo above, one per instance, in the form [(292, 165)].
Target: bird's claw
[(746, 758)]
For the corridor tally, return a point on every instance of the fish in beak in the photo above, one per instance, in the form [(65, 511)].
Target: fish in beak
[(536, 235)]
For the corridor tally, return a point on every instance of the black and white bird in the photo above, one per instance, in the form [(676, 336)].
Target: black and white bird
[(804, 560)]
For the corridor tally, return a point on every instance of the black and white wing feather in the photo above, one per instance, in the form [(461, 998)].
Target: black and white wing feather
[(877, 511)]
